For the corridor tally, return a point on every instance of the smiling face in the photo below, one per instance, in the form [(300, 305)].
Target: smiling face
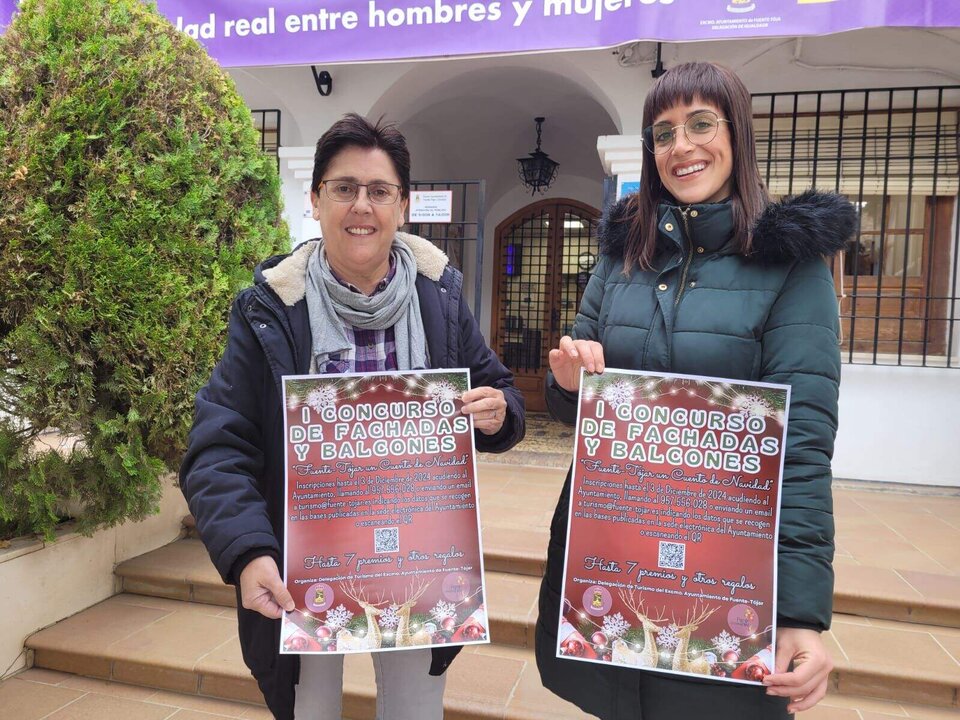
[(357, 235), (696, 173)]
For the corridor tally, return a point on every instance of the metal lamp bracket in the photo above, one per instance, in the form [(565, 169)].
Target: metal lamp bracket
[(324, 81)]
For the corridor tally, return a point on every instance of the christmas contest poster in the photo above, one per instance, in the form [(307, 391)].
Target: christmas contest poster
[(674, 514), (382, 548)]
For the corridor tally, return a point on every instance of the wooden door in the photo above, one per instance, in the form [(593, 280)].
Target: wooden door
[(891, 283), (544, 255)]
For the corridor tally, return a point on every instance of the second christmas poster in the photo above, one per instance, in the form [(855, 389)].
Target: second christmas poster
[(674, 511)]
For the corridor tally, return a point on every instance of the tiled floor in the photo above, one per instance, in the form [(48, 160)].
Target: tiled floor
[(43, 694)]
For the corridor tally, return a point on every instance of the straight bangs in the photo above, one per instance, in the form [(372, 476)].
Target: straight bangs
[(720, 87)]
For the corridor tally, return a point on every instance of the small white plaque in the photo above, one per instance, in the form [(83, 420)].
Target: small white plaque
[(431, 206)]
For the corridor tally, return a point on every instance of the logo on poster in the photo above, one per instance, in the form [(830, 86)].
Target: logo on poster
[(741, 6), (743, 620)]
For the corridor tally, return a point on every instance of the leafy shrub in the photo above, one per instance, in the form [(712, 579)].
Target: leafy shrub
[(133, 202)]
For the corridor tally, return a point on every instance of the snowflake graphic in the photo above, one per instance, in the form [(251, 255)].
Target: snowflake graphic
[(614, 626), (322, 397), (752, 405), (441, 391), (338, 617), (667, 637), (618, 393), (725, 642), (442, 610), (293, 401), (389, 618)]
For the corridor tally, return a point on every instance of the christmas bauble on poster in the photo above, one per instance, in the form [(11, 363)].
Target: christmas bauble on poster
[(474, 628), (756, 667), (573, 644)]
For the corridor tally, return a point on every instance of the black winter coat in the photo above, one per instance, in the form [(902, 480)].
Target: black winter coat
[(233, 472)]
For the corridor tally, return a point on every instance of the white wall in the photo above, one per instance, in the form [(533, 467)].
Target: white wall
[(899, 424)]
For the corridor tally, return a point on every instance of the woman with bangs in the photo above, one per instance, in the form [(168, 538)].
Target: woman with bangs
[(701, 274)]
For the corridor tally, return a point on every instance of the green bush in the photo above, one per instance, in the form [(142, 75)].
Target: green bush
[(134, 201)]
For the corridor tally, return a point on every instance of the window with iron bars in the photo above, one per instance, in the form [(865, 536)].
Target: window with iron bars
[(894, 153), (267, 124)]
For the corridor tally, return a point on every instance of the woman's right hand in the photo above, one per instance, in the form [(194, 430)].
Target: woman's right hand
[(262, 588), (566, 361)]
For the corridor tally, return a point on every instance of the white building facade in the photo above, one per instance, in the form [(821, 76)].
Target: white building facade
[(826, 114)]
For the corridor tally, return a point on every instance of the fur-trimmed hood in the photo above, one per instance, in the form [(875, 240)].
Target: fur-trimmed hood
[(286, 274), (811, 224)]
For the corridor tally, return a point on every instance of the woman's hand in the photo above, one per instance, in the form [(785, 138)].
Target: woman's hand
[(262, 588), (806, 684), (566, 361), (488, 407)]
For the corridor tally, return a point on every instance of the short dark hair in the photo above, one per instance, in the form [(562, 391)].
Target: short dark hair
[(352, 130), (719, 86)]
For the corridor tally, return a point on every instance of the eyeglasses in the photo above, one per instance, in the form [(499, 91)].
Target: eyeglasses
[(344, 191), (700, 129)]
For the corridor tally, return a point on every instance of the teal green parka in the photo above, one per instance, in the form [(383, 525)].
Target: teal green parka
[(707, 310), (771, 317)]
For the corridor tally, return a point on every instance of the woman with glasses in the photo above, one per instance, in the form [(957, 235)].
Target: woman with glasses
[(364, 297), (701, 274)]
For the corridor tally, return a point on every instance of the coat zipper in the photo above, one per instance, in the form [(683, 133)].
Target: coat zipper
[(688, 245), (265, 298)]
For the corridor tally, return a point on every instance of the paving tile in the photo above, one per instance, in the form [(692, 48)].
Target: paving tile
[(201, 704), (950, 643), (178, 640), (69, 661), (106, 687), (925, 712), (531, 696), (226, 659), (511, 599), (870, 581), (182, 561), (169, 605), (94, 629), (863, 703), (193, 715), (231, 688), (910, 653), (257, 713), (222, 595), (481, 682), (827, 712), (106, 707), (40, 675), (155, 676), (934, 586), (892, 686), (32, 700)]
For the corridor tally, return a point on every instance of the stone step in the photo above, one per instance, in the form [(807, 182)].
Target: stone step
[(182, 571), (192, 648), (906, 595)]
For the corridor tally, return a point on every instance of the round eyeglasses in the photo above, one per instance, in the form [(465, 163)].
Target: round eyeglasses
[(700, 128), (344, 191)]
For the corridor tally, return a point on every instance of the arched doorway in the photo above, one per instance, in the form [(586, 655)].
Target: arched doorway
[(544, 255)]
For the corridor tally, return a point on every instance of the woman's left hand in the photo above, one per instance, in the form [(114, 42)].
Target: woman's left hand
[(488, 407), (806, 684)]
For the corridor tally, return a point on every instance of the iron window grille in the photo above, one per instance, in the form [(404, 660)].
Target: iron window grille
[(894, 153)]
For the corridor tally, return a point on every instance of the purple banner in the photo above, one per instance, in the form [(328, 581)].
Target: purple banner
[(295, 32)]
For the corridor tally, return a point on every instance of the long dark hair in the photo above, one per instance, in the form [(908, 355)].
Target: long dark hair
[(719, 86)]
